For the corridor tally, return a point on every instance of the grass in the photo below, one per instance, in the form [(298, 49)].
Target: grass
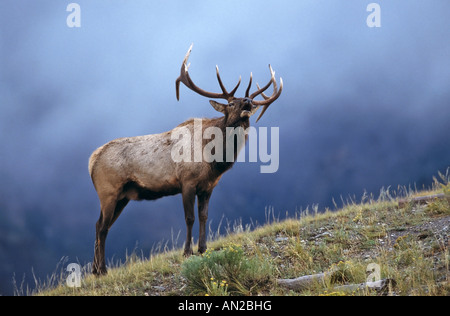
[(410, 245)]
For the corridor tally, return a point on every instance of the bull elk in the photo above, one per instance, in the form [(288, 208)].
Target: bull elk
[(142, 168)]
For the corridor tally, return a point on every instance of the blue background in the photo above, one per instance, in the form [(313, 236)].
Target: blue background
[(362, 108)]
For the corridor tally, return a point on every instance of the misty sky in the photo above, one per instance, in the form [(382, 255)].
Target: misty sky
[(361, 108)]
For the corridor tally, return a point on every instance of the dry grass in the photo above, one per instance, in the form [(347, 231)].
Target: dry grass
[(410, 245)]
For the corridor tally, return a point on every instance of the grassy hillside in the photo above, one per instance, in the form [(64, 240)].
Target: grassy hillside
[(410, 244)]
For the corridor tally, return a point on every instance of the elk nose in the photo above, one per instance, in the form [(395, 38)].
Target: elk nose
[(247, 101)]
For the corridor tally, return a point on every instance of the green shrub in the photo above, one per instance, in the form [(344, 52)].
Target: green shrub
[(228, 271), (438, 207)]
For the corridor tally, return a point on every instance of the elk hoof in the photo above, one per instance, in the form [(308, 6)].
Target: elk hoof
[(99, 272)]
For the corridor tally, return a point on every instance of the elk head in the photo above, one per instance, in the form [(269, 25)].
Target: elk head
[(237, 109)]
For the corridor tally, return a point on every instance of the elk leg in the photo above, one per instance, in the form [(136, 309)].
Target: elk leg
[(110, 211), (99, 265), (119, 208), (203, 201), (189, 215)]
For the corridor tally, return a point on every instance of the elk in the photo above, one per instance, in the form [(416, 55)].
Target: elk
[(142, 168)]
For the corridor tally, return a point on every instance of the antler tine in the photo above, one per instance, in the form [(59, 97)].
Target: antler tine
[(269, 100), (235, 88), (256, 107), (220, 81), (263, 94), (259, 91), (186, 79), (224, 90), (276, 93), (275, 89), (183, 72), (247, 92)]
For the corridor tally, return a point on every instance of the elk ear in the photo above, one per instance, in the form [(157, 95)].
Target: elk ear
[(218, 106)]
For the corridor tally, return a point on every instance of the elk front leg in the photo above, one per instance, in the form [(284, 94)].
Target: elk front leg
[(189, 215), (203, 201)]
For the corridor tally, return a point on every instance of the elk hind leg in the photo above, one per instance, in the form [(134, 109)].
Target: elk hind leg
[(110, 211)]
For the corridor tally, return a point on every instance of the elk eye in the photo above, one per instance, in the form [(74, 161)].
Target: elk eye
[(231, 103)]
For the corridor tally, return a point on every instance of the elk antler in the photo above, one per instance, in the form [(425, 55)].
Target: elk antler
[(229, 96), (186, 79), (267, 100)]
